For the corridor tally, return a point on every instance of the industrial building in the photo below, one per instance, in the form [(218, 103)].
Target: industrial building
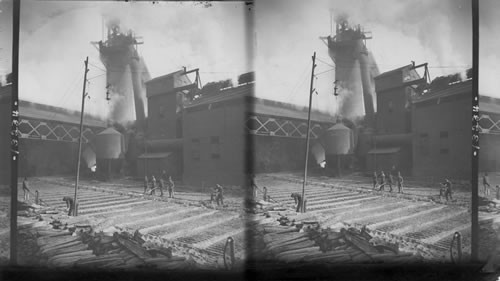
[(441, 121), (202, 135), (420, 130), (207, 137), (489, 135), (164, 137), (48, 143)]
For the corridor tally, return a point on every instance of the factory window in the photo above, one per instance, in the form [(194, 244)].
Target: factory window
[(214, 140), (215, 156), (443, 134), (444, 151), (195, 140)]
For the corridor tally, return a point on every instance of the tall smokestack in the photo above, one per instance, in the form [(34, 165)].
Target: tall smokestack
[(139, 77), (366, 82), (353, 64), (125, 74)]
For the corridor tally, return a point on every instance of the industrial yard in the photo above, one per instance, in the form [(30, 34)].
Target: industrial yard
[(417, 221), (189, 225), (143, 118)]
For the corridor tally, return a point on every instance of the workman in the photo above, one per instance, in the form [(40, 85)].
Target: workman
[(153, 185), (265, 193), (26, 189), (171, 187), (400, 182), (382, 181), (162, 182), (253, 186), (219, 197), (374, 179), (447, 189), (298, 201), (486, 185), (390, 180), (69, 204)]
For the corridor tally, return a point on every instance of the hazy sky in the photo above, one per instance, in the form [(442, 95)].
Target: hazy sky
[(288, 31), (5, 38), (55, 39), (489, 41)]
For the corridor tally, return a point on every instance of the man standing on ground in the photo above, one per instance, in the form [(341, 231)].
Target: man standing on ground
[(171, 187), (26, 189), (161, 183), (400, 182), (447, 192), (253, 186), (486, 185), (382, 181), (374, 179), (153, 185), (219, 195)]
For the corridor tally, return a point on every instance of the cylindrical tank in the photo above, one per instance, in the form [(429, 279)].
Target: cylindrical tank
[(339, 140), (109, 144)]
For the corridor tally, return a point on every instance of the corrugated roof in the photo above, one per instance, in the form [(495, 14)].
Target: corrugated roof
[(452, 89), (385, 150), (157, 155), (52, 113)]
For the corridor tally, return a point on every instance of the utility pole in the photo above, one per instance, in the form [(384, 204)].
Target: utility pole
[(84, 95), (311, 91)]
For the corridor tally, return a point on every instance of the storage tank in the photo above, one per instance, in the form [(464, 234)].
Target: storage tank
[(110, 144), (339, 140), (110, 150)]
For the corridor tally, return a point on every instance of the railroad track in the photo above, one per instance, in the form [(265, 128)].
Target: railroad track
[(426, 221), (201, 228)]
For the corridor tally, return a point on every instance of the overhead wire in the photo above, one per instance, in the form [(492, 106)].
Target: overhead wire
[(68, 90), (298, 84), (320, 60)]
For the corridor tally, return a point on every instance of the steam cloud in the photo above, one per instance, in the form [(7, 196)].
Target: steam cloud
[(55, 39)]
